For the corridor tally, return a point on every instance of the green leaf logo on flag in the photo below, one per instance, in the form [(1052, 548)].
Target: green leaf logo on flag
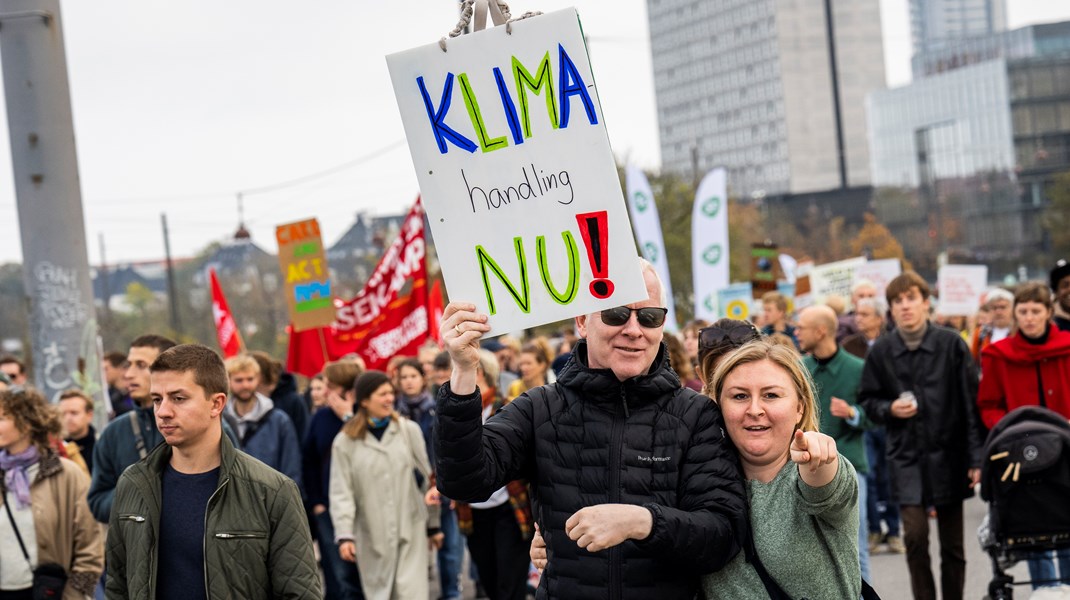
[(641, 202), (711, 206), (651, 252), (708, 303), (712, 255)]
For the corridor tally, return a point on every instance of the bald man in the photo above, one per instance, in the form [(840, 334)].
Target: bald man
[(837, 375)]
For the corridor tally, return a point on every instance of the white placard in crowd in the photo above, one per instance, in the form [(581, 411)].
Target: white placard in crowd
[(961, 288), (518, 180), (834, 278), (878, 272)]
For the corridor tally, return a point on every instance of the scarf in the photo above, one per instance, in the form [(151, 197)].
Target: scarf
[(15, 477), (378, 422)]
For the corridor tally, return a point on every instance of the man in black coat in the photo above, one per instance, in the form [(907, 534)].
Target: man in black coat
[(635, 487), (934, 439)]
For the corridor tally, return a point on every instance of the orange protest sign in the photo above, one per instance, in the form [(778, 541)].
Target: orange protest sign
[(307, 280)]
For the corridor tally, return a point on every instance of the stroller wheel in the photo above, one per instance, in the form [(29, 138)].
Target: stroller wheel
[(1001, 588)]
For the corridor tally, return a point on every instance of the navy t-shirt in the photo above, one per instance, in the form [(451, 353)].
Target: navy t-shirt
[(180, 572)]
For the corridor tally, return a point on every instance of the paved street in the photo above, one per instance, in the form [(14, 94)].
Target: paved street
[(890, 577), (892, 582)]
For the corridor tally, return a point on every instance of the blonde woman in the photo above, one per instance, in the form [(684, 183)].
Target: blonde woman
[(379, 476), (802, 494)]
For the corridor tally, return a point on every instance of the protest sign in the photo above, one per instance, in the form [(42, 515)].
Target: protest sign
[(878, 272), (734, 301), (304, 270), (378, 323), (834, 278), (787, 289), (764, 268), (517, 176), (961, 287)]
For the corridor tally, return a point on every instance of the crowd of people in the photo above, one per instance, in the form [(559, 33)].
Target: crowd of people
[(738, 459)]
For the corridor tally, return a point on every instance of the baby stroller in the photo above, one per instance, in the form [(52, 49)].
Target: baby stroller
[(1026, 482)]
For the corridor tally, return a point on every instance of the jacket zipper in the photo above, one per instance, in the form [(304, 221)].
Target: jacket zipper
[(135, 518), (240, 536), (614, 490), (204, 540)]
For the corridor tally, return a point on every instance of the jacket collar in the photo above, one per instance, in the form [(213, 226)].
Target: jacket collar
[(48, 466), (1015, 349), (928, 343), (833, 366), (603, 385), (157, 460)]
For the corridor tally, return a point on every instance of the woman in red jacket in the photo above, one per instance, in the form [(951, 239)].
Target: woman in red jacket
[(1030, 367)]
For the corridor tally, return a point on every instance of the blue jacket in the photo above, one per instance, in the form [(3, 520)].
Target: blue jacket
[(116, 450), (271, 439)]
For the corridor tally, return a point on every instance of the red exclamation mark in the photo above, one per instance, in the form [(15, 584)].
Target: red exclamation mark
[(595, 232)]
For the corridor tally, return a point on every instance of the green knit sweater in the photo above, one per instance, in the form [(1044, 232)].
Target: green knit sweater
[(840, 377), (807, 539)]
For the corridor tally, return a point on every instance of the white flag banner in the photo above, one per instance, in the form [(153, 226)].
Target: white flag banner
[(647, 227), (709, 243)]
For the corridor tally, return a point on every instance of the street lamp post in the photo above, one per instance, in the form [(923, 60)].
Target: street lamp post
[(63, 327)]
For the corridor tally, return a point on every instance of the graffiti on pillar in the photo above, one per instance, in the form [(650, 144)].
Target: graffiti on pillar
[(57, 373), (58, 297)]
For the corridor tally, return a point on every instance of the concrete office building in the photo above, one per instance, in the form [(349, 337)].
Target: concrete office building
[(749, 85)]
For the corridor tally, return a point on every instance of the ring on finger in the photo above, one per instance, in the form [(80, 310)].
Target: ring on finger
[(457, 328)]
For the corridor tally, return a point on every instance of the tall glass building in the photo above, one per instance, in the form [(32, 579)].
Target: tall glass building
[(975, 142)]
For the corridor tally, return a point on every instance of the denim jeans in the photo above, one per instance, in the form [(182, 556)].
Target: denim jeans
[(341, 578), (450, 556), (877, 505), (1042, 568)]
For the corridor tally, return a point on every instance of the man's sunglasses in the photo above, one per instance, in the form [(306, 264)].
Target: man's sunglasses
[(738, 334), (648, 317)]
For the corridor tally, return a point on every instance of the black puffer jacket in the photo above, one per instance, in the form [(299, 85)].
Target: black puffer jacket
[(591, 439)]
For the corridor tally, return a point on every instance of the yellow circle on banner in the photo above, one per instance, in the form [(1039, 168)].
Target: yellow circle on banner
[(737, 309)]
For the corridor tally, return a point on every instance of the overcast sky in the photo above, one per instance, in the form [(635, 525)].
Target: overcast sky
[(179, 106)]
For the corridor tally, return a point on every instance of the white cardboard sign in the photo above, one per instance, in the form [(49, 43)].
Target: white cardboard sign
[(961, 287), (516, 173), (879, 272), (834, 278)]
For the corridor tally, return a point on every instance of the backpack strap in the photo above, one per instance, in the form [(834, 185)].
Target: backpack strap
[(139, 440)]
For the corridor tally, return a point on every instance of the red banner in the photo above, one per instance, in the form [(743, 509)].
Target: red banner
[(435, 307), (226, 329), (376, 323)]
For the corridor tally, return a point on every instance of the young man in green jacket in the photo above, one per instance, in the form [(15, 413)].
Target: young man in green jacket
[(837, 375), (197, 518)]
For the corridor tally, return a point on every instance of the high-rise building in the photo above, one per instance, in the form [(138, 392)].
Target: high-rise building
[(773, 90), (934, 23)]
